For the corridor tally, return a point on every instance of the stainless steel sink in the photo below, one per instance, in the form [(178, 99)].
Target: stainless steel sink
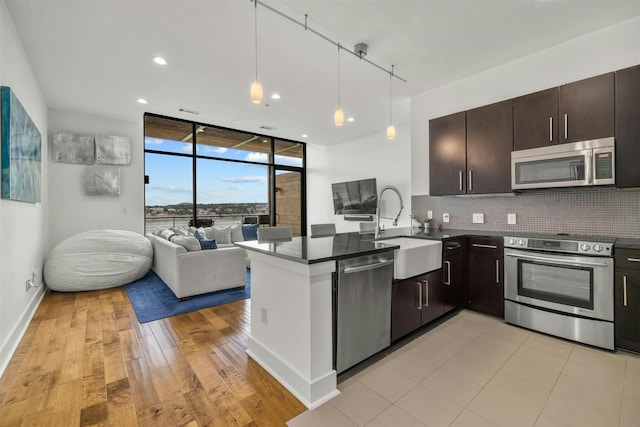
[(415, 256)]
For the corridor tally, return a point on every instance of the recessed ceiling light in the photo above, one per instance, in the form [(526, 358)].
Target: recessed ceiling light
[(351, 119), (304, 135), (142, 101), (160, 60), (275, 96)]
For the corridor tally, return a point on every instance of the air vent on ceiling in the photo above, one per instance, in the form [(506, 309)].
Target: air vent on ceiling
[(186, 110), (266, 127)]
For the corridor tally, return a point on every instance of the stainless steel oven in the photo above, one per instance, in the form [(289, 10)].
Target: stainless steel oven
[(561, 286)]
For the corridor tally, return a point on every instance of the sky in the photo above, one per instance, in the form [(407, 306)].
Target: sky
[(170, 177)]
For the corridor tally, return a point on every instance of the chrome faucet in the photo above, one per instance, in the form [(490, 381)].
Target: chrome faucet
[(394, 219)]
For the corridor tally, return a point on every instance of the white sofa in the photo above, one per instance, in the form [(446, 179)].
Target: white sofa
[(196, 272)]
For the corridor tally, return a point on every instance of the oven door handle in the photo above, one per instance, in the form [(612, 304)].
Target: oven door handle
[(557, 260)]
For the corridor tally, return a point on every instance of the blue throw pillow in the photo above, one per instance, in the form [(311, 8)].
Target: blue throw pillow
[(205, 243), (250, 232)]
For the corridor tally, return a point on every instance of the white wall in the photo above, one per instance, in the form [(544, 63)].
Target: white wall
[(610, 49), (23, 226), (373, 156), (70, 211)]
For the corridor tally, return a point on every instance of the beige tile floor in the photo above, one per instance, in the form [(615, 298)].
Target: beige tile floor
[(475, 370)]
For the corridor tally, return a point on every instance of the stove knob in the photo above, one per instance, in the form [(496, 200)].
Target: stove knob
[(522, 242), (513, 241), (585, 247), (598, 248)]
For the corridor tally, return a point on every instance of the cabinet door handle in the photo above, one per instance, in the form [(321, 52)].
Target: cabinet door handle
[(478, 245), (470, 180), (447, 265), (425, 295), (624, 290), (461, 180), (633, 259), (498, 271), (550, 129), (419, 305), (566, 126)]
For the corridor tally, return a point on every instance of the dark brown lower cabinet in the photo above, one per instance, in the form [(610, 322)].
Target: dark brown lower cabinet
[(454, 273), (415, 302), (485, 275), (627, 311)]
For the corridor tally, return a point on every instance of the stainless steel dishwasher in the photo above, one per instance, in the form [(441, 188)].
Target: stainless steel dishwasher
[(362, 308)]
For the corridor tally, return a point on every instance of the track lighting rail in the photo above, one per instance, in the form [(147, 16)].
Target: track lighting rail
[(304, 24)]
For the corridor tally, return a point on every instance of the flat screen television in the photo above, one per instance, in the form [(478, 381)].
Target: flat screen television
[(355, 197)]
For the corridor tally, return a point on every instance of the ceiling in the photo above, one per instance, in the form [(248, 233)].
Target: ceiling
[(95, 56)]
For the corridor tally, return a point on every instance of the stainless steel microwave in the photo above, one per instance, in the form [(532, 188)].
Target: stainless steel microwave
[(575, 164)]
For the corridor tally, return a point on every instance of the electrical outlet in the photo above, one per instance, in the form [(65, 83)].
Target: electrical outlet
[(27, 284), (429, 214), (511, 218), (478, 218), (263, 315), (445, 217)]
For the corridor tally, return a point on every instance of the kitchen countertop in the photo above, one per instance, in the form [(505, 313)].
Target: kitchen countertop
[(627, 243), (311, 250)]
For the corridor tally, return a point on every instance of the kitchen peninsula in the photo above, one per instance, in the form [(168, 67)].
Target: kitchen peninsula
[(292, 308)]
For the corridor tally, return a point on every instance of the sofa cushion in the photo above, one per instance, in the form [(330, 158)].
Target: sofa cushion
[(250, 232), (219, 234), (181, 231), (190, 243), (204, 242), (236, 233), (166, 233)]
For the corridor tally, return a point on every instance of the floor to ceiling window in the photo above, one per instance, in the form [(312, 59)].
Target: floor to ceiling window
[(232, 176)]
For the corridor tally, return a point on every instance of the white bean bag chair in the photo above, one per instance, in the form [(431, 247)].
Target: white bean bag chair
[(98, 259)]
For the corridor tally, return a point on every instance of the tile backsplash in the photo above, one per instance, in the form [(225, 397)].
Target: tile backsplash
[(590, 211)]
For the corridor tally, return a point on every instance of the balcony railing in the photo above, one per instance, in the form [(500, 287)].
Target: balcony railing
[(155, 222)]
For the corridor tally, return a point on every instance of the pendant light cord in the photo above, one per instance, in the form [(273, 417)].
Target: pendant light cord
[(255, 2), (390, 109), (339, 103)]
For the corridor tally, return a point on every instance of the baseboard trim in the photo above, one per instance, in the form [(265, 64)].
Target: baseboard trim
[(312, 393), (11, 344)]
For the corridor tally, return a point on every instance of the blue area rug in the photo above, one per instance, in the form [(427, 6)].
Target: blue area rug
[(152, 299)]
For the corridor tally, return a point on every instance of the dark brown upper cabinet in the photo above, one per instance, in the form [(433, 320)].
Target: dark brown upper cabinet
[(447, 155), (628, 127), (470, 152), (535, 119), (489, 146), (586, 109)]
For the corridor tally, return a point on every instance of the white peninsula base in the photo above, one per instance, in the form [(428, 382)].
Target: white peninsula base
[(291, 325)]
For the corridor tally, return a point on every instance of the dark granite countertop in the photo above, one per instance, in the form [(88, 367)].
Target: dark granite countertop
[(627, 243), (311, 250)]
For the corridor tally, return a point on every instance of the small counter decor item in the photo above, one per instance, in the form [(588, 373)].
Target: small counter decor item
[(415, 222)]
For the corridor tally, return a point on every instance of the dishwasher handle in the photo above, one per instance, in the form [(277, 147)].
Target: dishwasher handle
[(373, 266)]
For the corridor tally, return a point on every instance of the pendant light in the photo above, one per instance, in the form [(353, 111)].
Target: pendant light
[(256, 87), (391, 129), (338, 117)]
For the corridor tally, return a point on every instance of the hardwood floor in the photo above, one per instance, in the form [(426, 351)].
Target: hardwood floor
[(85, 360)]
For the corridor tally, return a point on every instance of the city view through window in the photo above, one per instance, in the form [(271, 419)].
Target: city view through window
[(231, 176)]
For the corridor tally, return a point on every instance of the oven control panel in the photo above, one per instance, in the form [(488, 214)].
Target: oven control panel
[(560, 245)]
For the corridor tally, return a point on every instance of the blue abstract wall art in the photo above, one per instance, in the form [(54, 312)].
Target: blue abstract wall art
[(20, 150)]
